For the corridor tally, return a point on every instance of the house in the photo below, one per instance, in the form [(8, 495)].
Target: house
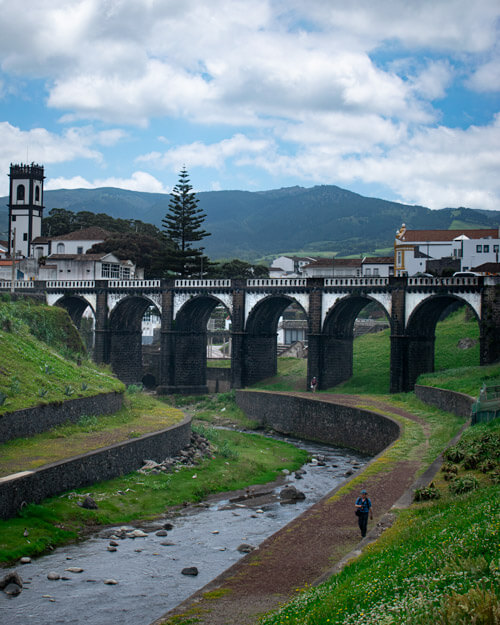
[(416, 251), (378, 266), (333, 268), (100, 266), (289, 266), (77, 242)]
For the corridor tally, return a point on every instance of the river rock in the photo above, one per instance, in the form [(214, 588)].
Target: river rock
[(113, 543), (111, 548), (12, 589), (168, 526), (190, 570), (74, 569), (53, 576), (25, 560), (110, 582), (162, 533), (88, 503), (245, 548), (289, 494), (137, 534), (11, 578)]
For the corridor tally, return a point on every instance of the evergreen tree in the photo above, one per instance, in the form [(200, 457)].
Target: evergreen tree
[(182, 225)]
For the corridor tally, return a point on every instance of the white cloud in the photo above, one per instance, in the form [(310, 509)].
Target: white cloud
[(214, 155), (139, 181), (486, 78)]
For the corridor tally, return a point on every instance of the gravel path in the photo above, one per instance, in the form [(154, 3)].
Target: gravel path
[(304, 552)]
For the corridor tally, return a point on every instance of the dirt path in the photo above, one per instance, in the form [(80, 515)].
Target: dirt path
[(303, 552)]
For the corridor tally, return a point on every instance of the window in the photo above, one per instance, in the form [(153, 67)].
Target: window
[(486, 248), (368, 272), (400, 258), (495, 249), (479, 248), (20, 193), (375, 271), (37, 193), (79, 250), (126, 273), (25, 236), (110, 271), (60, 248)]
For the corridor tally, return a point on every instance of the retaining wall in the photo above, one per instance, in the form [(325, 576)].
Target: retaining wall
[(218, 380), (24, 423), (450, 401), (313, 419), (89, 468)]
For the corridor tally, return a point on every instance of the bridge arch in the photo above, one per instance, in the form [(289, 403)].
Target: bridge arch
[(338, 337), (77, 306), (189, 359), (261, 338), (421, 332), (125, 337)]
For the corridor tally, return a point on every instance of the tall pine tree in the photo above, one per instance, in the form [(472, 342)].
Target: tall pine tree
[(182, 224)]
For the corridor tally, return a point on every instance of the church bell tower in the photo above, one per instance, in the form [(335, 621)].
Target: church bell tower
[(25, 207)]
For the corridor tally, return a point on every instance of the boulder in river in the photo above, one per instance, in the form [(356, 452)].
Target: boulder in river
[(11, 584), (190, 570), (289, 494)]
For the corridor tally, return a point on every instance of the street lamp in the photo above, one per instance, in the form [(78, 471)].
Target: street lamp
[(202, 249)]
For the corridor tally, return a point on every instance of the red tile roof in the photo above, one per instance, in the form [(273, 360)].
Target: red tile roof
[(94, 233), (379, 260), (336, 262), (414, 236)]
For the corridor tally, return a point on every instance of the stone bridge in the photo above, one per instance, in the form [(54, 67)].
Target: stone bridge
[(412, 307)]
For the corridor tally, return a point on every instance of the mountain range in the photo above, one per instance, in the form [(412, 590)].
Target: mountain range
[(295, 220)]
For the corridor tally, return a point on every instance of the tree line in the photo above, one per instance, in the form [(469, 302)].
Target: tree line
[(174, 251)]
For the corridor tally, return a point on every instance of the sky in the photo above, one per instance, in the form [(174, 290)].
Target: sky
[(393, 99)]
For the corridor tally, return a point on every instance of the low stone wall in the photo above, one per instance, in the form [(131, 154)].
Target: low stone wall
[(218, 380), (450, 401), (24, 423), (89, 468), (313, 419)]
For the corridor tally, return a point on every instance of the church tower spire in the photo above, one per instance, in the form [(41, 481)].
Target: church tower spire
[(25, 206)]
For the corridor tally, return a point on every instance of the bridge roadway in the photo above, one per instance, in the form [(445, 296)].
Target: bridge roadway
[(412, 307)]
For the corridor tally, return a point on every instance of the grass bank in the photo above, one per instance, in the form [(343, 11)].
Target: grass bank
[(238, 461), (437, 565), (43, 358)]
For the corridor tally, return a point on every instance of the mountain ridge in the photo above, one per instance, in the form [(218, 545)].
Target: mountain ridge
[(253, 224)]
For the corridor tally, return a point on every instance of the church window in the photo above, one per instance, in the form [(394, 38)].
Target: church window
[(60, 248), (20, 193), (37, 193)]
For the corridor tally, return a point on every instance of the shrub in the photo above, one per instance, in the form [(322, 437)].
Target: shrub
[(479, 606), (454, 454), (132, 389), (426, 494), (463, 484)]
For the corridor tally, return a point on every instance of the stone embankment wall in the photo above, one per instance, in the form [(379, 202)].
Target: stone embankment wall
[(30, 421), (450, 401), (314, 419), (218, 380), (89, 468)]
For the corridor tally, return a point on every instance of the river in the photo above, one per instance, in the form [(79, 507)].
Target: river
[(148, 569)]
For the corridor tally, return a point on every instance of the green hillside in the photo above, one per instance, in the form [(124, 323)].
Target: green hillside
[(43, 358), (250, 225)]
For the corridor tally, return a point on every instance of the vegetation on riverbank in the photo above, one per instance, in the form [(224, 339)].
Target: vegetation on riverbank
[(238, 461), (140, 415), (43, 358), (437, 565)]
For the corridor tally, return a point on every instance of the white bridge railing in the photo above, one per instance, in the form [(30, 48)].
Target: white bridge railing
[(18, 284), (260, 282), (356, 281), (134, 284), (70, 284), (452, 281), (211, 284)]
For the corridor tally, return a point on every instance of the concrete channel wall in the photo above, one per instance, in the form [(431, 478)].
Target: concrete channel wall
[(30, 421), (314, 419), (103, 464)]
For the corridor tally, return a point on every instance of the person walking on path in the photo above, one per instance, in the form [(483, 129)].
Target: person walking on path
[(363, 509), (314, 384)]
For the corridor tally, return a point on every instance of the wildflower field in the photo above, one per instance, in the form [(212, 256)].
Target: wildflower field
[(439, 563)]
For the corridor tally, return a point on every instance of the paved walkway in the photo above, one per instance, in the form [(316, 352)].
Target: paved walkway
[(307, 550)]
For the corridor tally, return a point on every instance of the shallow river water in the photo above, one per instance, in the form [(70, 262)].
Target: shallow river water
[(147, 572)]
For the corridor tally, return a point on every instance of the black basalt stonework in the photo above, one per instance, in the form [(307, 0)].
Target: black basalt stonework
[(89, 468), (23, 423), (313, 419)]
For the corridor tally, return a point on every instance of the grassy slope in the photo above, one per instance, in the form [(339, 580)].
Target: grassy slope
[(43, 358), (439, 562)]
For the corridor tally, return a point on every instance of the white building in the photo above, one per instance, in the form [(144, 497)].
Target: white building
[(25, 207), (289, 266), (465, 248), (100, 266), (378, 266), (77, 242), (333, 268)]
